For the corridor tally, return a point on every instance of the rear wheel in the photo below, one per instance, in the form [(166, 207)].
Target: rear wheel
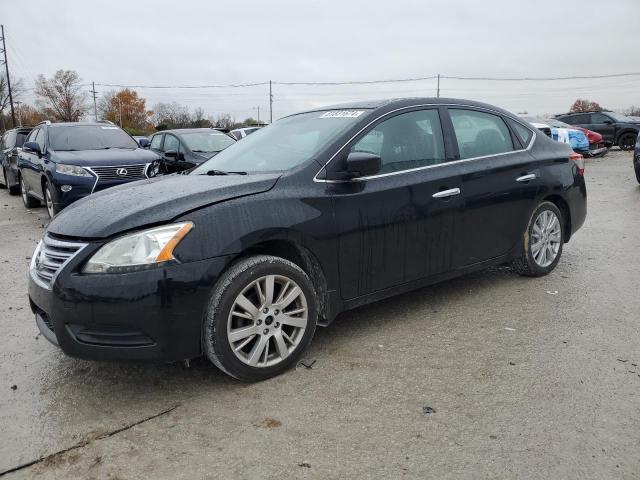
[(542, 243), (627, 141), (27, 199), (261, 317), (4, 179), (636, 167)]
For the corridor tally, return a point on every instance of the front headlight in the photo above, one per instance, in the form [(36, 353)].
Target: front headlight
[(153, 169), (139, 250), (72, 170)]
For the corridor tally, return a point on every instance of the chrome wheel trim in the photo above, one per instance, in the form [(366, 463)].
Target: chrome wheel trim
[(267, 321), (546, 238), (23, 192), (48, 201)]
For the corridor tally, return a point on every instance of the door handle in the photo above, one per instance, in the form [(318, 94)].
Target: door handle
[(526, 178), (447, 193)]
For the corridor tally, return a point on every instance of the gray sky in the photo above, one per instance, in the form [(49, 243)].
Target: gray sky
[(203, 43)]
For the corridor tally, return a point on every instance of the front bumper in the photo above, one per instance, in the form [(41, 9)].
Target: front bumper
[(153, 315)]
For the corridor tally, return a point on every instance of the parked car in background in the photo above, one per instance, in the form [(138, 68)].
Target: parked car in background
[(142, 140), (615, 128), (327, 210), (636, 159), (186, 148), (561, 132), (240, 133), (10, 146), (597, 145), (63, 162)]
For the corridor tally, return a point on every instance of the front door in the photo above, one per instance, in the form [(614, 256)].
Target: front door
[(398, 225)]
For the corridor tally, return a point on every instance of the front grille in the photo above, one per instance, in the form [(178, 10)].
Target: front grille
[(50, 257), (120, 172)]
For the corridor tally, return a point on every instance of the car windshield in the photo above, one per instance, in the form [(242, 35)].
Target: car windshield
[(283, 145), (207, 141), (89, 137), (619, 118)]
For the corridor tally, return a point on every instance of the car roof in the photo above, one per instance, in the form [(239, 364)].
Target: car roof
[(391, 104), (178, 131), (79, 124)]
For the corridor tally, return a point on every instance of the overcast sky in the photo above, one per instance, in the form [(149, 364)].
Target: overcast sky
[(203, 43)]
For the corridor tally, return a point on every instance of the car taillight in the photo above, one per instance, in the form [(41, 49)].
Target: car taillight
[(579, 159)]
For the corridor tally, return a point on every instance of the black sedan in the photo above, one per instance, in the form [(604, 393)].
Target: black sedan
[(315, 214), (185, 148)]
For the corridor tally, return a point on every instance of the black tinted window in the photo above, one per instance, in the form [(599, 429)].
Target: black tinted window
[(21, 137), (89, 137), (524, 134), (578, 119), (479, 134), (599, 118), (406, 141)]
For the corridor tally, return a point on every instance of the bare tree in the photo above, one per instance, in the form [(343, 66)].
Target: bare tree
[(224, 120), (581, 105), (170, 115), (17, 89), (61, 97)]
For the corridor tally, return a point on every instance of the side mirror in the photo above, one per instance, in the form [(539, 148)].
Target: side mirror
[(144, 143), (32, 147), (362, 164), (171, 154)]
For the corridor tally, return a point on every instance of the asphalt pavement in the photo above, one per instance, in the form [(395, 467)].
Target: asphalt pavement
[(487, 376)]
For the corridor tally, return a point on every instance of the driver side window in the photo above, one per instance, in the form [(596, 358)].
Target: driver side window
[(171, 143), (599, 118), (406, 141), (156, 142)]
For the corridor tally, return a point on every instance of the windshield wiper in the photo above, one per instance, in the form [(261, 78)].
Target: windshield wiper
[(222, 172)]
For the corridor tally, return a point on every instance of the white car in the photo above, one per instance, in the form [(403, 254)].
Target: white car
[(561, 132), (240, 133)]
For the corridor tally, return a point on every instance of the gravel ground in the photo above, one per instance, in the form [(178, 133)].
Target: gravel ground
[(487, 376)]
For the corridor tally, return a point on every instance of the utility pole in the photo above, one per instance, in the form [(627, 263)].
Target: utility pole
[(120, 109), (258, 113), (95, 105), (270, 103), (18, 103), (438, 93), (6, 65)]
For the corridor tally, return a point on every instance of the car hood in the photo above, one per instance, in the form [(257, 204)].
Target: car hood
[(147, 202), (97, 158)]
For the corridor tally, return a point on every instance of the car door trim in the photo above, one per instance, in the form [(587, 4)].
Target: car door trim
[(399, 172)]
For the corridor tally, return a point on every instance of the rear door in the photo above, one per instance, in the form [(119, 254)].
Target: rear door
[(397, 226), (499, 184), (30, 163)]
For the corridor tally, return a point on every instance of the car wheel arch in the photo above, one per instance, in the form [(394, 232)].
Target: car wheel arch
[(563, 206), (300, 256)]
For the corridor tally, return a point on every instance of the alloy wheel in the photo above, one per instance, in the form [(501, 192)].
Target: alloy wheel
[(267, 321), (546, 238), (49, 201), (23, 192)]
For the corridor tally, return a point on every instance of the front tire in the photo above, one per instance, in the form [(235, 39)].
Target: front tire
[(542, 243), (48, 200), (261, 317), (28, 200)]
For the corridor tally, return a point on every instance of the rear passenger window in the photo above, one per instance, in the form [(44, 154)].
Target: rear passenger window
[(480, 134), (524, 134), (406, 141)]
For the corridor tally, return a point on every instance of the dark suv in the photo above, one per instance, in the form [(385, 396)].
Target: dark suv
[(616, 129), (184, 148), (10, 146), (63, 162)]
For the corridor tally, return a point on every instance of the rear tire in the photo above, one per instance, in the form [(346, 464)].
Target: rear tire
[(261, 317), (627, 141), (4, 179), (28, 200), (636, 167), (542, 243)]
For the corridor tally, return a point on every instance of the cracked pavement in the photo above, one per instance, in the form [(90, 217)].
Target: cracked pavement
[(486, 376)]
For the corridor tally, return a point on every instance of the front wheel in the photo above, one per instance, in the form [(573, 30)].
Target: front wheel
[(627, 141), (28, 200), (542, 242), (261, 317), (48, 200)]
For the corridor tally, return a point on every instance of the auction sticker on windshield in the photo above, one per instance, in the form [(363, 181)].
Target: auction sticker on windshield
[(342, 114)]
